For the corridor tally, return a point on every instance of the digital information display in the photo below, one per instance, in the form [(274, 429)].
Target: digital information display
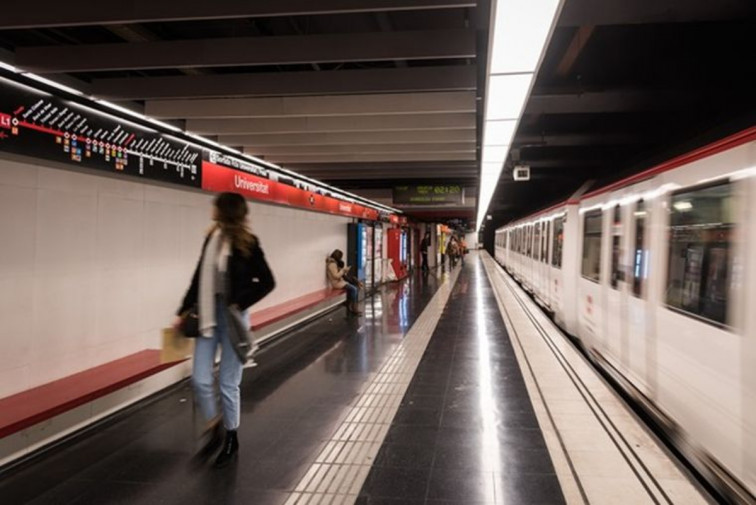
[(429, 195), (38, 124)]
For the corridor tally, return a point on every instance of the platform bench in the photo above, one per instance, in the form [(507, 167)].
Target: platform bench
[(267, 322), (25, 409)]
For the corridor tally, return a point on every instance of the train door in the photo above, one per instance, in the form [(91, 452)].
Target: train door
[(529, 261), (540, 274), (615, 290), (556, 282), (639, 328), (545, 268), (535, 278), (591, 274)]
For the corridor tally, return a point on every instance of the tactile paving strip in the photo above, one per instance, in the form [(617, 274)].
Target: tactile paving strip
[(341, 467)]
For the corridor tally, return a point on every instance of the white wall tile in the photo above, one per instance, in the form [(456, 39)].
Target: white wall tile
[(120, 187), (119, 232), (14, 379), (66, 223), (64, 180), (64, 313), (17, 316), (116, 305), (18, 211), (13, 173)]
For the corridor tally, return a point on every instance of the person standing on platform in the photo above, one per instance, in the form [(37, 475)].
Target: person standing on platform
[(231, 272), (451, 250), (338, 273), (424, 245), (442, 251)]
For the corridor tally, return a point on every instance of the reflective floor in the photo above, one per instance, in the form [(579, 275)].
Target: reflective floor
[(143, 458), (466, 431)]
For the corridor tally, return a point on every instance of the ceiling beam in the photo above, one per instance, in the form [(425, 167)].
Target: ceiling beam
[(622, 12), (607, 102), (249, 51), (301, 150), (348, 138), (324, 124), (84, 12), (574, 50), (388, 175), (567, 164), (380, 80), (387, 167), (342, 105), (587, 139), (371, 157)]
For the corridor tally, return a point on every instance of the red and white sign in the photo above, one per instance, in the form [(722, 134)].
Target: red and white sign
[(218, 178)]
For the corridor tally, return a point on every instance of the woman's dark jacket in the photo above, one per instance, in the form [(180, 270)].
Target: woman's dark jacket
[(250, 278)]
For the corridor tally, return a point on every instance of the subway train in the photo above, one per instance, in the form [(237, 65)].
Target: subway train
[(655, 277)]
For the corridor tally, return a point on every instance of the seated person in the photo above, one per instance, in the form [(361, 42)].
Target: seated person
[(338, 276)]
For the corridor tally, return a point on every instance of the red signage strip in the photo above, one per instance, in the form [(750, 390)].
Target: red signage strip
[(218, 178)]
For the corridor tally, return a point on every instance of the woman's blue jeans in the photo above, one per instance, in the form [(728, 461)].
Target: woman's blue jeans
[(353, 293), (231, 369)]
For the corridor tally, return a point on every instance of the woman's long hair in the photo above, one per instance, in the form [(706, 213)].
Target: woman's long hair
[(231, 217), (337, 255)]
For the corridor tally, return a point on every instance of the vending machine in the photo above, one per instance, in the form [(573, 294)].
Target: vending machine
[(378, 255), (356, 255), (397, 251), (369, 258)]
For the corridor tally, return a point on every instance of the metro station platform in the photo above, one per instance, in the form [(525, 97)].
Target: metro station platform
[(451, 388)]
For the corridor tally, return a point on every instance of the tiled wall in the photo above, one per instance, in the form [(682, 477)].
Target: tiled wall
[(91, 268)]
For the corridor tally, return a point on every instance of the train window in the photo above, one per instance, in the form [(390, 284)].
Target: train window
[(558, 240), (617, 274), (529, 234), (545, 241), (640, 254), (700, 234), (591, 267), (537, 242)]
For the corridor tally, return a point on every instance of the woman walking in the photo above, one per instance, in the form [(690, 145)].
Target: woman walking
[(231, 271)]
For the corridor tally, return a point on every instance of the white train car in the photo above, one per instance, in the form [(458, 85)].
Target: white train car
[(661, 268)]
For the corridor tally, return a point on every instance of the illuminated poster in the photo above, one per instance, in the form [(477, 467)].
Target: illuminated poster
[(36, 123)]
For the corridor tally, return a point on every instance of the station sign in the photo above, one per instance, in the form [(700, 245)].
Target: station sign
[(429, 195), (41, 125)]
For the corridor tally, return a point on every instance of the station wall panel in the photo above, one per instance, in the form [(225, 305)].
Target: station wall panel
[(92, 268)]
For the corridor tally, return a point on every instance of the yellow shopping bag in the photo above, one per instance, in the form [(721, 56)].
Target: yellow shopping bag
[(176, 347)]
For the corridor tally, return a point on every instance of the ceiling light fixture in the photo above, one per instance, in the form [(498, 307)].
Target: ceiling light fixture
[(519, 33)]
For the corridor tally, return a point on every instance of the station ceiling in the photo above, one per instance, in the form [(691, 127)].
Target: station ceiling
[(367, 94)]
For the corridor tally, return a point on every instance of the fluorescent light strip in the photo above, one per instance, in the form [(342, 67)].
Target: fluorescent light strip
[(506, 95), (53, 83), (499, 133), (520, 30), (8, 66), (494, 154)]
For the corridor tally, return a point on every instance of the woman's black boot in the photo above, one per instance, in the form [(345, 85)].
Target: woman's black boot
[(230, 450)]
